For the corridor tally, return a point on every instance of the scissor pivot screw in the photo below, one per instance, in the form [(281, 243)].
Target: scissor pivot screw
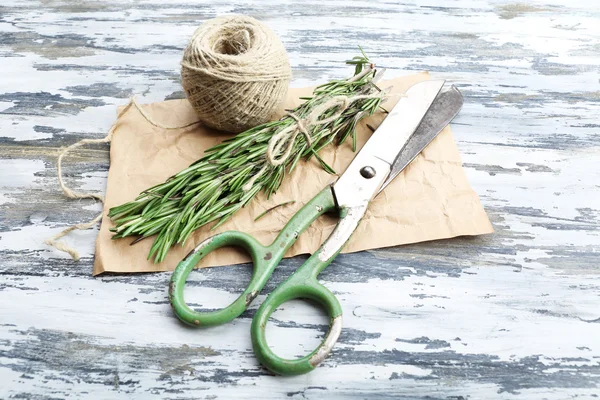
[(367, 172)]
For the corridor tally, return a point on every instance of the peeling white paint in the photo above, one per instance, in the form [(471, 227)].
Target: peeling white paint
[(437, 319)]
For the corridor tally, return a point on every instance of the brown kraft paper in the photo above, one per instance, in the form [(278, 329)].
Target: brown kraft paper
[(430, 200)]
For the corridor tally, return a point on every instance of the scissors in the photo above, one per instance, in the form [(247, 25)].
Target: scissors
[(409, 127)]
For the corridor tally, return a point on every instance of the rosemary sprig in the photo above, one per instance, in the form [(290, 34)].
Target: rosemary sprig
[(224, 180), (268, 210)]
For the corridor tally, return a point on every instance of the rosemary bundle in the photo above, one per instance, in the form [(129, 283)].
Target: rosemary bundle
[(232, 173)]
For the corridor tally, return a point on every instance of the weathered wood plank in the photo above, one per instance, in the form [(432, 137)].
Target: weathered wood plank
[(510, 315)]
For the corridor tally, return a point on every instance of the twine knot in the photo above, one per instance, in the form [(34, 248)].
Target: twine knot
[(286, 137)]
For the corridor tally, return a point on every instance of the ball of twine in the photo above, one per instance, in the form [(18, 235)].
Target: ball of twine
[(235, 72)]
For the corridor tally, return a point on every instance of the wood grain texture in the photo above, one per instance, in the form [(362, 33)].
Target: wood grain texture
[(510, 315)]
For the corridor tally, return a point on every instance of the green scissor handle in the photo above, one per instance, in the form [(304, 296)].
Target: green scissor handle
[(265, 260), (301, 284)]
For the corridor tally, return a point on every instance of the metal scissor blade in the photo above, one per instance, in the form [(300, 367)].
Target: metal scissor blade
[(443, 110), (390, 137), (373, 164)]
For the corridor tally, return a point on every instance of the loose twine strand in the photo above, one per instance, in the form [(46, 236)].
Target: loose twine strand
[(54, 240)]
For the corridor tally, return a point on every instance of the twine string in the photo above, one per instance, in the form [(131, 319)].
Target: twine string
[(287, 137), (54, 240)]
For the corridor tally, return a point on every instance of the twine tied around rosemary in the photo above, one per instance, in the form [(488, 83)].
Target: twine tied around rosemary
[(287, 136)]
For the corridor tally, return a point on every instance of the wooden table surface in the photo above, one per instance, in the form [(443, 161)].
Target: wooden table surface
[(510, 315)]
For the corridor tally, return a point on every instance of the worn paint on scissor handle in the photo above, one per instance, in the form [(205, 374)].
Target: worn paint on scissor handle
[(303, 284), (265, 260)]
